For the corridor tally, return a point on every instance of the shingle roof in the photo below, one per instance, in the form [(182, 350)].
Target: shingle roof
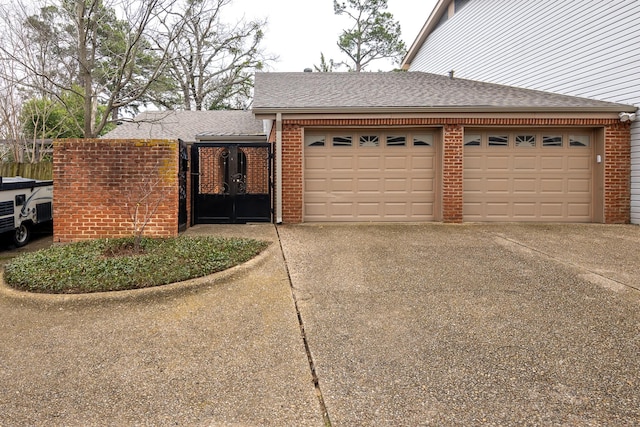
[(405, 91), (186, 125)]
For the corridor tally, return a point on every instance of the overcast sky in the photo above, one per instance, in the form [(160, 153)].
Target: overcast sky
[(298, 30)]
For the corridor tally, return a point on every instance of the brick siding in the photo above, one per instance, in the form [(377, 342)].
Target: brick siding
[(617, 158), (292, 173), (452, 173), (617, 173), (97, 183)]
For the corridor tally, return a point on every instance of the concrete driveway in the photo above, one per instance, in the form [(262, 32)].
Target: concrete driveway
[(398, 325), (225, 350), (471, 324)]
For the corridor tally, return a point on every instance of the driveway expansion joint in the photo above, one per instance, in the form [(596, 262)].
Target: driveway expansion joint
[(571, 264), (312, 367)]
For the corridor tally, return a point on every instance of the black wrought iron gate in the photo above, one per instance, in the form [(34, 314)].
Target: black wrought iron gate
[(182, 186), (231, 182)]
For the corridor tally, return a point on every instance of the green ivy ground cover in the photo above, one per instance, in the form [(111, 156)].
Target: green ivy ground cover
[(117, 264)]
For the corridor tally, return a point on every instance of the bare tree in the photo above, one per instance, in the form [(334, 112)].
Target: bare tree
[(98, 50), (17, 146), (213, 62), (143, 198), (10, 129), (13, 88)]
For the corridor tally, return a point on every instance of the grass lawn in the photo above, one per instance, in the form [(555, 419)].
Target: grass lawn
[(115, 264)]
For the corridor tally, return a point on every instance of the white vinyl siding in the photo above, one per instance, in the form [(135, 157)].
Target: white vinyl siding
[(584, 48)]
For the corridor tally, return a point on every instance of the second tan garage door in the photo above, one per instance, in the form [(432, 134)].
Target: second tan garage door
[(528, 176), (369, 176)]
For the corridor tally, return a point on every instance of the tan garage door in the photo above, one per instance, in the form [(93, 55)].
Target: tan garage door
[(369, 176), (528, 176)]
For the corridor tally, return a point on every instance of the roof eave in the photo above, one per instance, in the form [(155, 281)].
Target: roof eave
[(261, 137), (440, 109)]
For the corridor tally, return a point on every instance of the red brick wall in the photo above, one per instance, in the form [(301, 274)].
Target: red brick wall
[(292, 173), (98, 182), (617, 158), (617, 173), (452, 173)]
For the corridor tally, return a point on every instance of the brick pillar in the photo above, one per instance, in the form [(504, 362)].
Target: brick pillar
[(291, 173), (452, 173), (617, 172)]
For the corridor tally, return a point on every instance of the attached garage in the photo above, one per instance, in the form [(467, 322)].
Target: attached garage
[(369, 175), (412, 146), (529, 175)]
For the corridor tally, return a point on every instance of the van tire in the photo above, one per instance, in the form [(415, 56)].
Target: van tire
[(22, 235)]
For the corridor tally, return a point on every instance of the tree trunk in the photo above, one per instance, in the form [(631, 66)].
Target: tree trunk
[(85, 60)]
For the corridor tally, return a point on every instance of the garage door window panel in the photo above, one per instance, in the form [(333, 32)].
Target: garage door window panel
[(342, 141), (525, 141), (552, 140), (580, 141), (314, 141), (369, 140), (472, 140), (425, 140), (396, 141), (498, 140)]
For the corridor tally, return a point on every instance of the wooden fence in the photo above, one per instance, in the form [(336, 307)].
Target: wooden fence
[(42, 170)]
